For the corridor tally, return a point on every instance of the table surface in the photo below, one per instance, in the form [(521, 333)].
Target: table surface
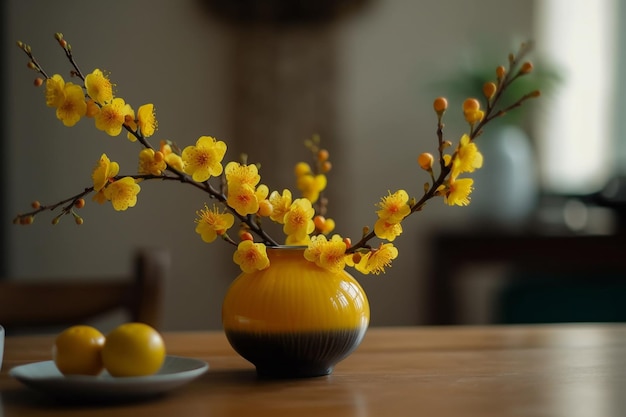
[(540, 370)]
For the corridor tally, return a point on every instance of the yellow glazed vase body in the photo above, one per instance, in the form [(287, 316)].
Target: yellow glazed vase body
[(294, 319)]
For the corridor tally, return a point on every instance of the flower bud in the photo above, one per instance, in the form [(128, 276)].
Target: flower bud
[(79, 203), (489, 90), (500, 72), (246, 236), (319, 222), (265, 208), (158, 156), (322, 155), (425, 160), (38, 82), (26, 220), (526, 68), (471, 105), (35, 204), (440, 105), (326, 166)]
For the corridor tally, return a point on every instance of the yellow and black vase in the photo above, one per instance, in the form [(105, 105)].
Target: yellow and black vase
[(294, 319)]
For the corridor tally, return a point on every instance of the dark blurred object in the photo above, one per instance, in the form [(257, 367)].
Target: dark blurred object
[(560, 259), (4, 223), (613, 196), (560, 214), (281, 11), (532, 297), (601, 212)]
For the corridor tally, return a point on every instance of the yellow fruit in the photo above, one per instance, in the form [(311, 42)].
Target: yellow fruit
[(133, 349), (77, 351)]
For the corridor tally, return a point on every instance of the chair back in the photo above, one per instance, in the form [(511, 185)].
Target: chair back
[(32, 305)]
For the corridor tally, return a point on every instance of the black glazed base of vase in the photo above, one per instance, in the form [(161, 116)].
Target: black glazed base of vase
[(295, 355)]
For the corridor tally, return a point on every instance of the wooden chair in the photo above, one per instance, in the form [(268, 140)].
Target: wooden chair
[(27, 306)]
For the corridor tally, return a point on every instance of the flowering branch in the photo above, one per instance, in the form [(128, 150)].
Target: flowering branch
[(476, 118), (236, 187)]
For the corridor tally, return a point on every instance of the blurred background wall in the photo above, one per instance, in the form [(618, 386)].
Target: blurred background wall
[(360, 73)]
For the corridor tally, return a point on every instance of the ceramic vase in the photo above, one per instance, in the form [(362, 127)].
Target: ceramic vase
[(294, 319)]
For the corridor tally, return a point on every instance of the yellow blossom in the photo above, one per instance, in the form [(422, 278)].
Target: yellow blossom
[(328, 254), (211, 223), (55, 95), (149, 163), (394, 207), (99, 197), (104, 171), (243, 199), (146, 120), (387, 230), (379, 259), (458, 191), (73, 105), (99, 87), (92, 108), (302, 168), (204, 160), (324, 225), (468, 157), (310, 186), (237, 173), (262, 191), (175, 161), (280, 205), (376, 260), (474, 116), (298, 240), (112, 116), (172, 159), (265, 207), (299, 219), (251, 256), (122, 193)]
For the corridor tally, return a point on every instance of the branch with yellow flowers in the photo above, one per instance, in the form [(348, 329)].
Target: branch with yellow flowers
[(236, 187), (168, 160), (442, 185)]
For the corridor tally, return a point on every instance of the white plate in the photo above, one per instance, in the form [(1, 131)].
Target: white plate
[(45, 377)]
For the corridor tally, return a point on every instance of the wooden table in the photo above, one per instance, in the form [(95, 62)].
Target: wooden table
[(541, 370)]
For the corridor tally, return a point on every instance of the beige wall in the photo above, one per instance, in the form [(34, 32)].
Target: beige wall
[(175, 55)]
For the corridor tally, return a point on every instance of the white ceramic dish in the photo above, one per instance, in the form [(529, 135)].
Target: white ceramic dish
[(45, 377)]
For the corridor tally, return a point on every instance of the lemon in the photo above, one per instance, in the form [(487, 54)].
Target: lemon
[(133, 349), (77, 351)]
